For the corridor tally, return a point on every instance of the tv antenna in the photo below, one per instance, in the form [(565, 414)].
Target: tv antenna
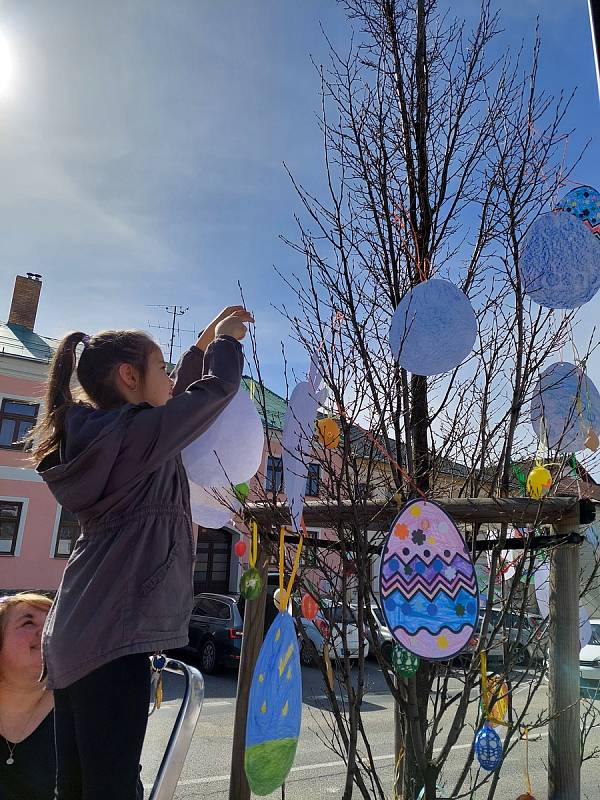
[(174, 312)]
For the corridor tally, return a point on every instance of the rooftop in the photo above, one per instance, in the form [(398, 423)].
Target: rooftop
[(19, 342)]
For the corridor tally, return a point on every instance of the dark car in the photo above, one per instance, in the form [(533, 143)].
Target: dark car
[(216, 630)]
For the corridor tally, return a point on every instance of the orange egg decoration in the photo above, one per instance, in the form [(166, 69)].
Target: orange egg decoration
[(310, 607), (526, 796), (329, 433)]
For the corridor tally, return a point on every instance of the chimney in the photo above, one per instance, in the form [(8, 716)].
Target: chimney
[(26, 296)]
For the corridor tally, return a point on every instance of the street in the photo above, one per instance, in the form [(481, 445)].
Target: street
[(318, 772)]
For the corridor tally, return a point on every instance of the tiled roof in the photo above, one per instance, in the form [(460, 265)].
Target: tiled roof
[(274, 405), (19, 342)]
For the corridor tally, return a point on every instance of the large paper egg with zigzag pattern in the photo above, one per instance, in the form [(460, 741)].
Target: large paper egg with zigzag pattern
[(427, 583), (274, 708)]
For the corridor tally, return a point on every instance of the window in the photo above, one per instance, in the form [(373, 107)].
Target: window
[(211, 607), (10, 517), (67, 534), (308, 556), (274, 474), (17, 418), (313, 480)]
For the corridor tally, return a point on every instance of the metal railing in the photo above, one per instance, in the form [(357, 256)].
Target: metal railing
[(183, 730)]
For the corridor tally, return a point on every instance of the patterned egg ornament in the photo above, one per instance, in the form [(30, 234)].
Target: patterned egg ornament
[(404, 663), (274, 708), (584, 203), (251, 584), (427, 583), (488, 748)]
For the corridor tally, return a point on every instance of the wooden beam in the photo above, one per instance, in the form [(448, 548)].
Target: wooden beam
[(564, 727), (517, 511)]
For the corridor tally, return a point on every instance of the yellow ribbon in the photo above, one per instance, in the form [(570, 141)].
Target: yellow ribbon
[(285, 594), (527, 776), (252, 555), (485, 692)]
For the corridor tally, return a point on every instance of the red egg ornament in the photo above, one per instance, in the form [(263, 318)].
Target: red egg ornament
[(240, 548), (526, 796), (310, 607)]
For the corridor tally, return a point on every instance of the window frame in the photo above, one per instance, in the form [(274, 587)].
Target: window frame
[(274, 472), (57, 537), (16, 418), (313, 480), (23, 503)]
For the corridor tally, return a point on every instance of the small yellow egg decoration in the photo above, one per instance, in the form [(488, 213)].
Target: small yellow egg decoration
[(539, 482), (329, 433)]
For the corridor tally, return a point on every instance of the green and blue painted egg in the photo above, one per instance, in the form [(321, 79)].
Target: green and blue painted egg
[(427, 582), (274, 709)]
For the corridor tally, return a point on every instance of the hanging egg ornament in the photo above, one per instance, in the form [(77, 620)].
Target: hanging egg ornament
[(539, 482), (329, 433), (240, 548), (251, 584), (488, 748), (499, 689), (310, 607), (242, 490), (276, 597), (526, 796), (428, 589), (404, 663), (274, 709)]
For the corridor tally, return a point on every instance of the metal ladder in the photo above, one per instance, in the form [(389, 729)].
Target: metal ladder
[(183, 730)]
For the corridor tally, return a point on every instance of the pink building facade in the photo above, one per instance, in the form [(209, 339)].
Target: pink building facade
[(36, 534)]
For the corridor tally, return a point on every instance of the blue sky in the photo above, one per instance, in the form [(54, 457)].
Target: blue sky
[(142, 149)]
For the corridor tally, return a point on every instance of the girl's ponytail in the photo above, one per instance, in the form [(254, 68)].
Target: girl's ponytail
[(46, 435)]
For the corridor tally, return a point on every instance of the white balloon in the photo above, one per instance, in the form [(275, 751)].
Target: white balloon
[(231, 450), (211, 508)]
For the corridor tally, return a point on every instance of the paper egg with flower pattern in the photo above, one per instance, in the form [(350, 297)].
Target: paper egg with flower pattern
[(584, 203), (427, 583), (274, 708)]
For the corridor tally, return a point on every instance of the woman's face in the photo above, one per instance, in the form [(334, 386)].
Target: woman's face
[(21, 654)]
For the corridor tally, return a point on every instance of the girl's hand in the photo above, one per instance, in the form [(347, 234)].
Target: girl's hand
[(209, 333), (233, 324)]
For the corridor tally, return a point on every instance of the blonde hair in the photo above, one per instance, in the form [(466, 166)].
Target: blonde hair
[(34, 599)]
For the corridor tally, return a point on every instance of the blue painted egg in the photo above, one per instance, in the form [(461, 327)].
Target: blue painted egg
[(427, 583), (584, 203), (274, 708), (488, 748)]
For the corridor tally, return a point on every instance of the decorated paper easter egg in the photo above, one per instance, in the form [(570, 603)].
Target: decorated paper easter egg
[(329, 433), (488, 748), (251, 584), (560, 261), (229, 451), (539, 482), (433, 312), (274, 708), (427, 583), (564, 406), (212, 508), (404, 663), (584, 203)]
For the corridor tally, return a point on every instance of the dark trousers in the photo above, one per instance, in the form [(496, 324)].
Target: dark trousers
[(100, 724)]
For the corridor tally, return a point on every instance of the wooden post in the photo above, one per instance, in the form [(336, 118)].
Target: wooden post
[(254, 624), (564, 743)]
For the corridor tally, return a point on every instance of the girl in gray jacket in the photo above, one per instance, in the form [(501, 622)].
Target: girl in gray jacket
[(113, 459)]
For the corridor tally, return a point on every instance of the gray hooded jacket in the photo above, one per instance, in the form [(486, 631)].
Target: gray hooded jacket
[(128, 585)]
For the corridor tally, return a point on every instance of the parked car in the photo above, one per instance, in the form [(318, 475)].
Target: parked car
[(384, 639), (327, 627), (589, 663), (528, 638), (215, 630)]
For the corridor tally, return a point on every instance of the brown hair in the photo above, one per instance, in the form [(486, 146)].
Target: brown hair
[(101, 357), (28, 598)]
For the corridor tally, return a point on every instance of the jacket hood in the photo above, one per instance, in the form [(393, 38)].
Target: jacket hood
[(78, 474)]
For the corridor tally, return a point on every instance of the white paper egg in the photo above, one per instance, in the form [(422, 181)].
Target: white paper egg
[(231, 450), (211, 508)]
